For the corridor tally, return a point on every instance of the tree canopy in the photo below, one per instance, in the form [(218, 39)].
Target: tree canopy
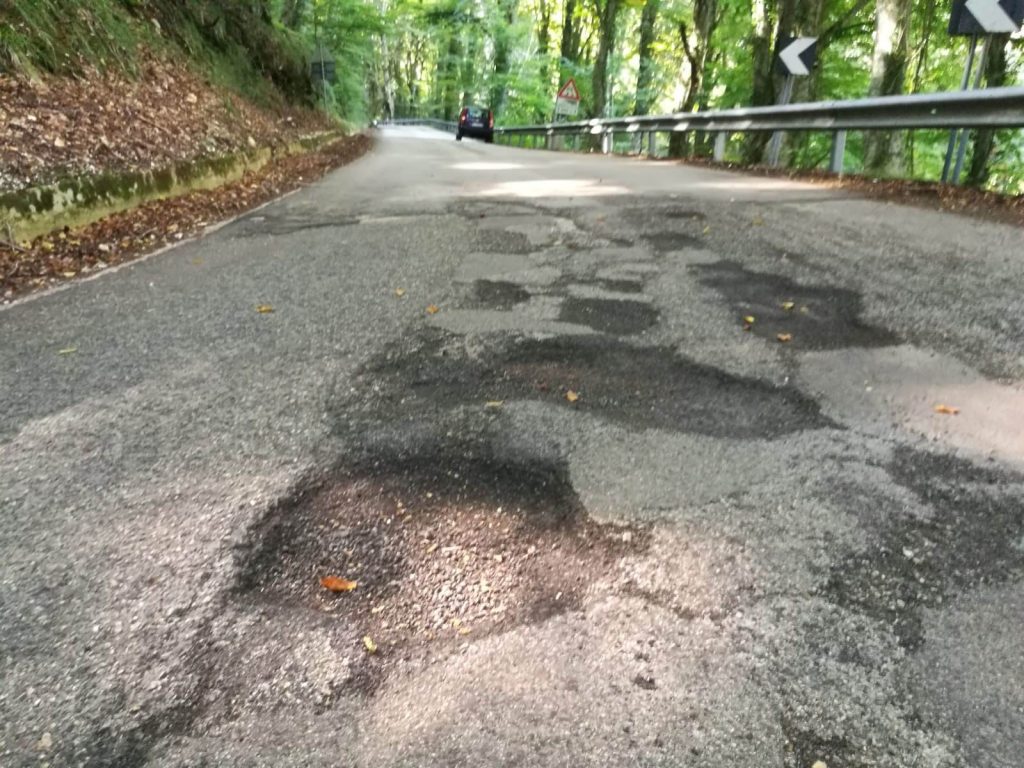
[(429, 57)]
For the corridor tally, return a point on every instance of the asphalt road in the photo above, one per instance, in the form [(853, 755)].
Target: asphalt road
[(593, 520)]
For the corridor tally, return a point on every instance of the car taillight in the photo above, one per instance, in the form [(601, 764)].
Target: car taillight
[(490, 119), (463, 115)]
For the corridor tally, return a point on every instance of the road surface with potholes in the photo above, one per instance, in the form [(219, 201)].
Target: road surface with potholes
[(597, 515)]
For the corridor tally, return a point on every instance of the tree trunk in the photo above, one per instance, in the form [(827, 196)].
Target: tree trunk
[(451, 87), (499, 85), (883, 150), (763, 93), (645, 75), (293, 12), (570, 48), (605, 42), (698, 54), (984, 139), (544, 45)]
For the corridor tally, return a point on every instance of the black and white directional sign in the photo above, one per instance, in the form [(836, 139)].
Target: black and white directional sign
[(796, 55), (986, 17)]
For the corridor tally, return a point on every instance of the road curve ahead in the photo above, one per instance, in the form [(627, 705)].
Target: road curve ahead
[(475, 456)]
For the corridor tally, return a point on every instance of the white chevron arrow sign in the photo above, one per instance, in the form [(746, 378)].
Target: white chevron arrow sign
[(991, 16), (790, 55)]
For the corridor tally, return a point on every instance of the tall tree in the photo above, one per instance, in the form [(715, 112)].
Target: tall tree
[(607, 14), (696, 44), (645, 52), (883, 150), (984, 139)]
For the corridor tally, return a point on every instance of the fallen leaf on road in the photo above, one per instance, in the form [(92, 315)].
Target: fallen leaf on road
[(264, 309), (758, 221), (494, 403), (707, 230), (572, 396), (371, 647), (464, 630), (197, 262), (804, 310), (784, 337), (68, 275), (788, 305), (819, 764), (749, 319), (399, 292), (949, 410), (67, 351), (335, 584), (433, 309)]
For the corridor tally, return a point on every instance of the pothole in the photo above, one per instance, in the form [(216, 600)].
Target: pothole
[(638, 387), (622, 286), (817, 316), (499, 294), (971, 537), (670, 241), (621, 318), (444, 549)]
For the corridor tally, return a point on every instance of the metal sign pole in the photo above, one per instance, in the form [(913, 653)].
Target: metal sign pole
[(954, 134), (775, 148), (965, 134)]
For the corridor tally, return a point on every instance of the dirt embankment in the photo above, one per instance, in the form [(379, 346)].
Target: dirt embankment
[(55, 128)]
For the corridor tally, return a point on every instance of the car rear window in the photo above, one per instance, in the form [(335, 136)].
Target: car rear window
[(476, 112)]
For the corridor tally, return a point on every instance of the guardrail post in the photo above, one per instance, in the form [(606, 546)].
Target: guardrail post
[(606, 142), (835, 163), (720, 138), (551, 140)]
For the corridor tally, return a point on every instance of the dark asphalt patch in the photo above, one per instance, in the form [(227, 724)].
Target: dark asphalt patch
[(619, 317), (670, 241), (973, 536), (822, 316), (498, 294), (445, 548), (622, 286), (636, 387)]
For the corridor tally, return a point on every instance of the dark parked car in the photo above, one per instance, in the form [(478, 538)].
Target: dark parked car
[(477, 123)]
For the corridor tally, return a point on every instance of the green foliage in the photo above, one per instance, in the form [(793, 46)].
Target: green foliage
[(237, 44)]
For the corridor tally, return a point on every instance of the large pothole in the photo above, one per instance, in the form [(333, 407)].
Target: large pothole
[(442, 549)]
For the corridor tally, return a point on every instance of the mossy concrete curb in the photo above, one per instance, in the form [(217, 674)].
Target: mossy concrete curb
[(79, 201)]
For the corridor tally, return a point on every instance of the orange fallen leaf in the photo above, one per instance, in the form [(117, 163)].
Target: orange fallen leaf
[(371, 647), (784, 337), (335, 584), (264, 309), (572, 396), (433, 309), (949, 410)]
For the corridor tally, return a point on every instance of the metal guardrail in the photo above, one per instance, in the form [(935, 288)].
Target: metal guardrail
[(987, 108)]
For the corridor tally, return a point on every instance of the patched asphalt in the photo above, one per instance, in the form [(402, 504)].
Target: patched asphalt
[(594, 514)]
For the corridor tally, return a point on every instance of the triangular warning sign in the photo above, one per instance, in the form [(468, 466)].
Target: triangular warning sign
[(569, 92)]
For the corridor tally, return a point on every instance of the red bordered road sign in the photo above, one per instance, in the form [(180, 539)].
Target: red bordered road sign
[(569, 91)]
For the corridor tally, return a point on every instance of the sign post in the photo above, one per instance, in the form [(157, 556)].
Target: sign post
[(795, 57), (567, 102), (976, 18)]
